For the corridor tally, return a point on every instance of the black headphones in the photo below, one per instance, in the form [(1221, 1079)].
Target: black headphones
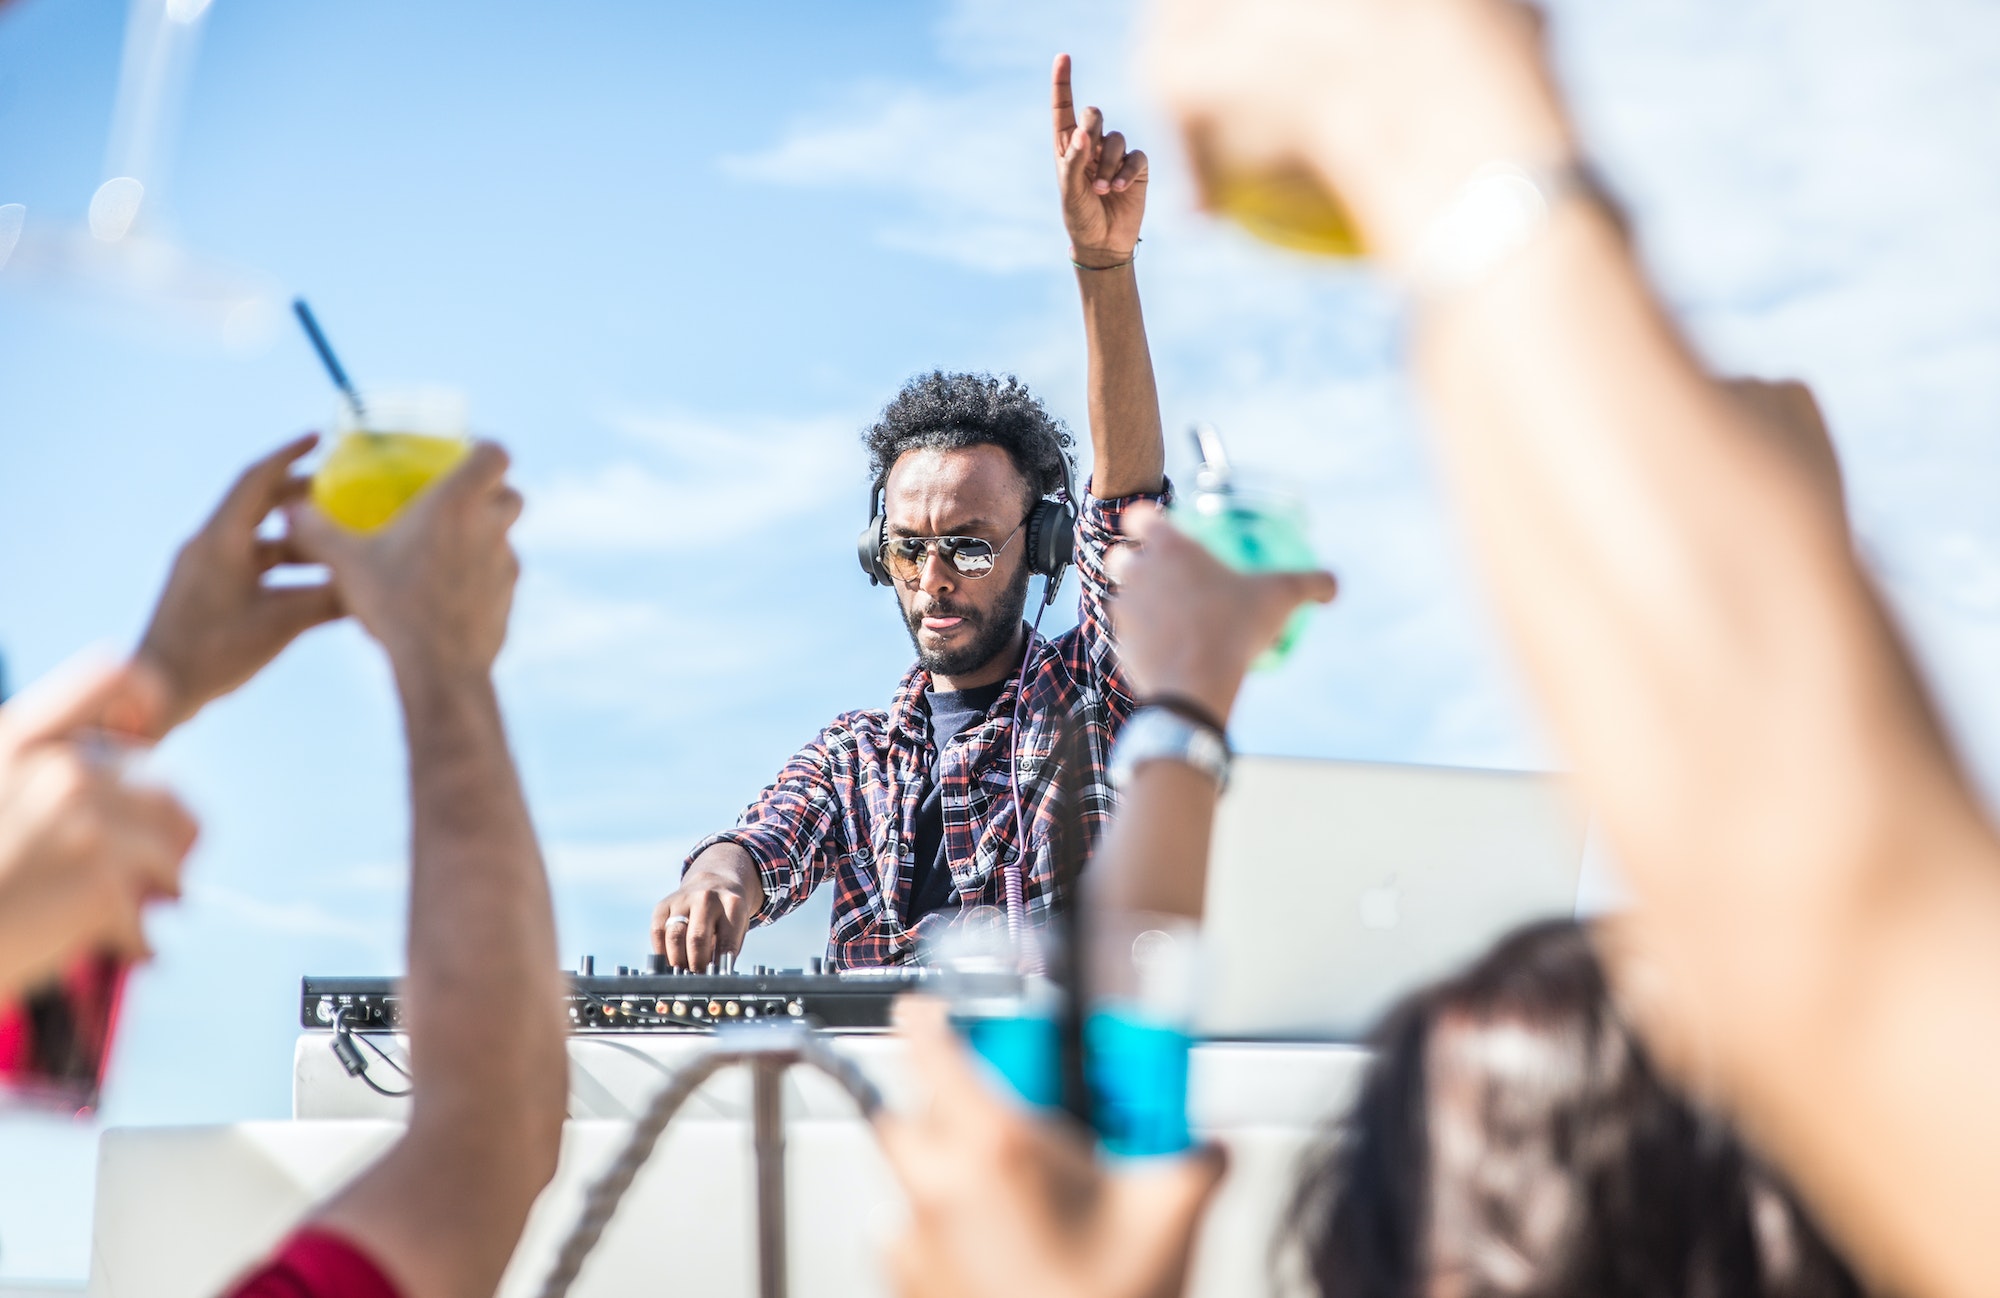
[(1051, 535)]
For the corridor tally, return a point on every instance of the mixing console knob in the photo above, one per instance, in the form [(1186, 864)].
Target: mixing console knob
[(589, 967), (715, 1009), (681, 1008), (818, 965), (796, 1009), (623, 972), (656, 963)]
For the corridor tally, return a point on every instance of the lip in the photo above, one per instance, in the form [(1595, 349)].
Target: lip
[(941, 625)]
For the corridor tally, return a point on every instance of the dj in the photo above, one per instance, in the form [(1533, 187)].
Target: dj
[(919, 811)]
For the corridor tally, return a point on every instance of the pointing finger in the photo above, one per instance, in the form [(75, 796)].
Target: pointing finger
[(1063, 105)]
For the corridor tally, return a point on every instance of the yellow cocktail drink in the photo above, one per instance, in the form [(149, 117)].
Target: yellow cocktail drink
[(387, 451), (1279, 202), (1290, 209)]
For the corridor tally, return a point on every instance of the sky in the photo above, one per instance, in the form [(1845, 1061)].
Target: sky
[(678, 255)]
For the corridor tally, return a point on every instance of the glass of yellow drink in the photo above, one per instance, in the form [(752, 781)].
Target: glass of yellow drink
[(400, 442), (1282, 204)]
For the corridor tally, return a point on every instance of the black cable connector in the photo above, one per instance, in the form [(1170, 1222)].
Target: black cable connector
[(356, 1063)]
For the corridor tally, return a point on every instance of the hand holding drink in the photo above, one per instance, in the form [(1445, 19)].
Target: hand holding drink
[(1249, 529), (400, 444), (391, 446)]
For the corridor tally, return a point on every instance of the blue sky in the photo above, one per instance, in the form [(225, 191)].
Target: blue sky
[(677, 255)]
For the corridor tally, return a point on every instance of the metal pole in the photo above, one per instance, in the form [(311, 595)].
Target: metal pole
[(768, 1077)]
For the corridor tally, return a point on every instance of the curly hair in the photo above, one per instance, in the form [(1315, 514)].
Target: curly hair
[(945, 412)]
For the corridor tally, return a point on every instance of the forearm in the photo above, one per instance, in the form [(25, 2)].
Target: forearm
[(1154, 858), (1816, 875), (1688, 605), (481, 929), (1128, 452)]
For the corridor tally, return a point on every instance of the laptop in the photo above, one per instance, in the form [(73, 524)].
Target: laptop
[(1336, 887)]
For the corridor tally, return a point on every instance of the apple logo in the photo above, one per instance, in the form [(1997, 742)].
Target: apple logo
[(1380, 907)]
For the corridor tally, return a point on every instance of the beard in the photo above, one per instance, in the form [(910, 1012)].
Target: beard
[(991, 629)]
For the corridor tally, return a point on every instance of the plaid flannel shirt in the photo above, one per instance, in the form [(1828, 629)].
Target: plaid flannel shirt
[(845, 808)]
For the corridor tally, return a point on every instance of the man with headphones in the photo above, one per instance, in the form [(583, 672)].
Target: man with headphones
[(940, 803)]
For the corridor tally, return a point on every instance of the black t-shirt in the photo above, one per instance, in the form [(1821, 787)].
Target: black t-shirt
[(952, 714)]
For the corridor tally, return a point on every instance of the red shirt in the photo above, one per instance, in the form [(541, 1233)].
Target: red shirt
[(317, 1263)]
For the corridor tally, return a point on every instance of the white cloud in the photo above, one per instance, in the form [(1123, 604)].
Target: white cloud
[(685, 490)]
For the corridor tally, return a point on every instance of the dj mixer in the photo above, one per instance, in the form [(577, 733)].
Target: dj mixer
[(657, 999)]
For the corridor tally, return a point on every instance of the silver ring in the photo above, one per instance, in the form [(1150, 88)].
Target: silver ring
[(676, 919)]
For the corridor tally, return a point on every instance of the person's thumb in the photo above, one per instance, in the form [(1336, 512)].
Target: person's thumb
[(1166, 1202), (1315, 587), (91, 690), (1186, 1191), (317, 538), (1291, 589)]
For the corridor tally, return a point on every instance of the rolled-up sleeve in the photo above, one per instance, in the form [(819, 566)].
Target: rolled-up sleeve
[(796, 830), (1100, 525)]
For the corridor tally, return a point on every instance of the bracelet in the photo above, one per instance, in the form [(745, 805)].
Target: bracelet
[(1183, 706), (1501, 209), (1114, 265), (1161, 733)]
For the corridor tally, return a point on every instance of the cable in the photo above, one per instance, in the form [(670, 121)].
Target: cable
[(369, 1041), (356, 1063), (1011, 873)]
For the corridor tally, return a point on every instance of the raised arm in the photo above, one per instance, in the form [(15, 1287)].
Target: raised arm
[(1819, 888), (1103, 201), (1189, 629), (441, 1212)]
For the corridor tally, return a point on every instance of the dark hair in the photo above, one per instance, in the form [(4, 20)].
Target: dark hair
[(1512, 1129), (946, 412)]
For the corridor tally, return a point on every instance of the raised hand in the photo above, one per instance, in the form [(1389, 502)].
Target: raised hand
[(1103, 185), (435, 586), (1189, 626), (217, 624), (82, 850)]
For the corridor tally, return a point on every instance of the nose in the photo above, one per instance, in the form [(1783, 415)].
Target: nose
[(937, 577)]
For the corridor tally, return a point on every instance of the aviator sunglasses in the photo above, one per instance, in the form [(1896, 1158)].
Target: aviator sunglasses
[(969, 556)]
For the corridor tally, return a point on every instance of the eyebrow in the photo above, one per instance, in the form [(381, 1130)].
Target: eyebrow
[(968, 527)]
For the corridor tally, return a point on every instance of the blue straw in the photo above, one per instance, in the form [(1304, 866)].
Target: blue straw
[(328, 359)]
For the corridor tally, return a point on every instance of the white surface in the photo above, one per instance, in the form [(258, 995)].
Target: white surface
[(181, 1211), (1335, 887), (612, 1075)]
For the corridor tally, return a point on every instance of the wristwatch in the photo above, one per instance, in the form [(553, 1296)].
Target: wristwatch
[(1156, 734)]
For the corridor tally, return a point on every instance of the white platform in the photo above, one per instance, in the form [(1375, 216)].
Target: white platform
[(613, 1074), (182, 1210)]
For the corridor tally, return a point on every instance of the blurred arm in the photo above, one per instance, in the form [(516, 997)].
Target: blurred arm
[(1817, 883), (443, 1209)]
